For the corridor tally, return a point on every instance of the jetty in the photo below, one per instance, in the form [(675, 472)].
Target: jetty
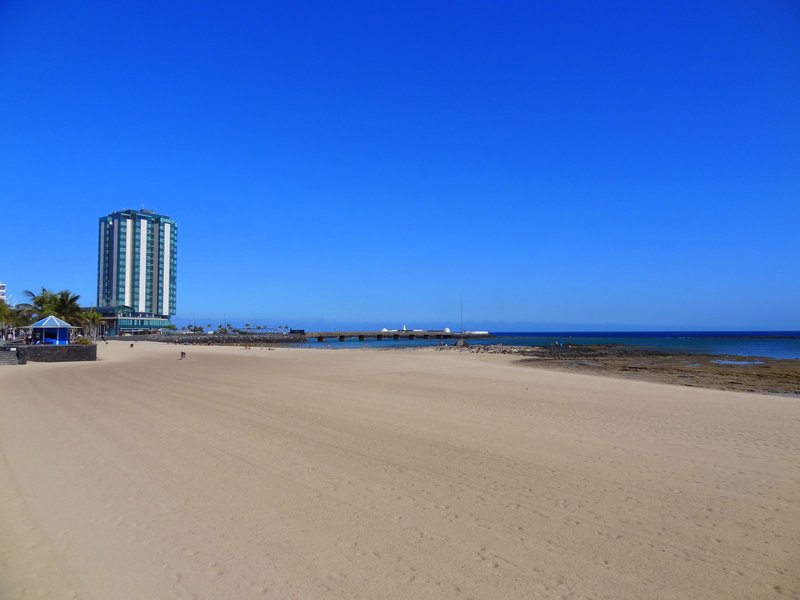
[(395, 334)]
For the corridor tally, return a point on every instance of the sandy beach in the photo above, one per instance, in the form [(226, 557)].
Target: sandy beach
[(297, 473)]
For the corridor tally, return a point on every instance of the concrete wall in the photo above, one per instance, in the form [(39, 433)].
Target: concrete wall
[(70, 353)]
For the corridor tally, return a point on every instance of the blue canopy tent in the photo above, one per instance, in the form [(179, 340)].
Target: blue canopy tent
[(51, 330)]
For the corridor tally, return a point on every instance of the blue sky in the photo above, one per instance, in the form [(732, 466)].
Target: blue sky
[(619, 165)]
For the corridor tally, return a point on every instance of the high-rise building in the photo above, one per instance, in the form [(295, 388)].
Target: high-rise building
[(137, 262), (3, 292)]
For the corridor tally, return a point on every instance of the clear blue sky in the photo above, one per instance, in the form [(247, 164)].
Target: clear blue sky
[(608, 165)]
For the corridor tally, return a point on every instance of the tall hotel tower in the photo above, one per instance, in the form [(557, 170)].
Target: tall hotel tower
[(137, 262)]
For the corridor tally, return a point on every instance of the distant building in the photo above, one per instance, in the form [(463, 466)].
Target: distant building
[(137, 263), (3, 292), (123, 320)]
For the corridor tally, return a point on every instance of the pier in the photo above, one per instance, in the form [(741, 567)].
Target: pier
[(400, 334)]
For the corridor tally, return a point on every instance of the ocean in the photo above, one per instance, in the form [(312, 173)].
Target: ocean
[(766, 344)]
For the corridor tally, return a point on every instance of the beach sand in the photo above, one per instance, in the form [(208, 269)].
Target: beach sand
[(295, 473)]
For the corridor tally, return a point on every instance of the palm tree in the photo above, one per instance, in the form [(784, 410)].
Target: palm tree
[(5, 312), (8, 316), (63, 304), (92, 320), (33, 310), (66, 306)]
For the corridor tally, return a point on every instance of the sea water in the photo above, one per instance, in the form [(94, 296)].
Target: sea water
[(772, 344)]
